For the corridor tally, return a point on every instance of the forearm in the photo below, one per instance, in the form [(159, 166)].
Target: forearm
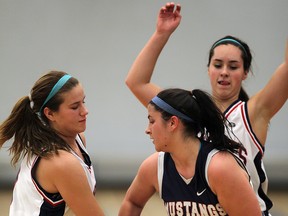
[(139, 76), (128, 209)]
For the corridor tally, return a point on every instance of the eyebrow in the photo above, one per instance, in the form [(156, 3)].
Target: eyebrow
[(77, 102), (219, 60)]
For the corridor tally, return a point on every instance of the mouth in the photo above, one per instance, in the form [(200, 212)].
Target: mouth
[(223, 82)]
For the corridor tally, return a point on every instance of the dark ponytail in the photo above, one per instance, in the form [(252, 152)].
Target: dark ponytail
[(243, 96), (208, 122)]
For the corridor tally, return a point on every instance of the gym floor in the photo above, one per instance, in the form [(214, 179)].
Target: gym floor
[(110, 200)]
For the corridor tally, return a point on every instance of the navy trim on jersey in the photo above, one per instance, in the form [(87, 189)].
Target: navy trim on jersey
[(53, 203), (252, 134), (262, 177)]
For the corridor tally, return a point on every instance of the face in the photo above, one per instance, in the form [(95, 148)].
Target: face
[(157, 129), (70, 119), (226, 72)]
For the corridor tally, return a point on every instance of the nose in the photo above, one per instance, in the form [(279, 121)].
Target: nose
[(225, 71), (147, 131), (84, 110)]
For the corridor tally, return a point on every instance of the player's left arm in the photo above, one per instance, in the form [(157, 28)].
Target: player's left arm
[(268, 101), (231, 184), (272, 97)]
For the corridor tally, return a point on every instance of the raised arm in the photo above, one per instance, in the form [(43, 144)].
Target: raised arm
[(267, 102), (139, 76)]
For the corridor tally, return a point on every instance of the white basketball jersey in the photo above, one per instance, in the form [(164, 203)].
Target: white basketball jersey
[(29, 199), (253, 154)]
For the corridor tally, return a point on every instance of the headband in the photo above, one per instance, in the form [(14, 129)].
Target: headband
[(55, 89), (232, 41), (166, 107)]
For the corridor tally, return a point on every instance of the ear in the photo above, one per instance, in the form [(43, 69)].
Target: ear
[(48, 113), (245, 75), (174, 122), (208, 71)]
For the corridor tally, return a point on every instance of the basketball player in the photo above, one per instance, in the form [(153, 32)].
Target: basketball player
[(228, 65), (56, 176), (195, 171)]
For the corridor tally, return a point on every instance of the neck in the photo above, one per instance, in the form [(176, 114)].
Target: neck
[(70, 140), (188, 153), (185, 159), (223, 104)]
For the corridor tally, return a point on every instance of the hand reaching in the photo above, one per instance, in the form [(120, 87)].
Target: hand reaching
[(169, 18)]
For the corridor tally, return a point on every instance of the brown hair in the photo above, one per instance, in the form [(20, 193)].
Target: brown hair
[(31, 131)]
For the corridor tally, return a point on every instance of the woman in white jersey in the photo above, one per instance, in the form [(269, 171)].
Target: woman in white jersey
[(228, 65), (56, 176)]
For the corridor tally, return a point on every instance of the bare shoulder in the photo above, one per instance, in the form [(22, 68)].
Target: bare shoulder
[(231, 185), (150, 163), (62, 163), (57, 168), (148, 169), (223, 165), (61, 158)]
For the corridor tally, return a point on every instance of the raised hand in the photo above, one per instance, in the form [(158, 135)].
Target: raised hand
[(169, 18)]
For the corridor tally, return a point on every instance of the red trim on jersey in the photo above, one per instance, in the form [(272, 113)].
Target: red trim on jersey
[(248, 128), (244, 117), (233, 108)]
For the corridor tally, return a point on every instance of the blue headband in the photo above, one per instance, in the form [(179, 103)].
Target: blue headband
[(55, 89), (230, 40), (166, 107)]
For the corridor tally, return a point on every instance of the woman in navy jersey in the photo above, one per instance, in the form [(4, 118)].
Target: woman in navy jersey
[(195, 169), (56, 176), (228, 65)]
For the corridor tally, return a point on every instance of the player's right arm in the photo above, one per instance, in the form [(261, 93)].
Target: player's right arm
[(144, 185), (140, 73), (63, 173)]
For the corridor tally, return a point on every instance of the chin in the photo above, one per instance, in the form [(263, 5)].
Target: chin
[(158, 149)]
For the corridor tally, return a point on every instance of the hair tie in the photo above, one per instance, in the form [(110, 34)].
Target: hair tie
[(31, 101)]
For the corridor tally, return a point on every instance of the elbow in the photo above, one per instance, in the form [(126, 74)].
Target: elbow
[(129, 84)]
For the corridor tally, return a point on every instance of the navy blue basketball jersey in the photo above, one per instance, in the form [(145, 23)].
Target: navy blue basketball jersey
[(189, 198)]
